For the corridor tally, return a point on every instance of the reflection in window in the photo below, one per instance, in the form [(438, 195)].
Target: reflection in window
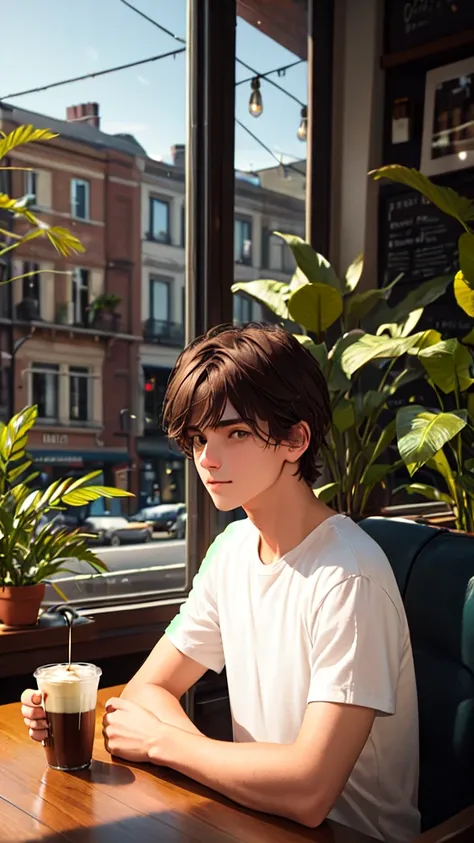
[(242, 310), (31, 284), (30, 185), (159, 299), (45, 390), (80, 295), (79, 389), (159, 220), (243, 241)]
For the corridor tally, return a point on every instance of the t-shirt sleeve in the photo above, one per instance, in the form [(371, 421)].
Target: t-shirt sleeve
[(357, 640), (195, 630)]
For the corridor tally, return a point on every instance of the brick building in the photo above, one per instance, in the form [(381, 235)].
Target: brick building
[(78, 361)]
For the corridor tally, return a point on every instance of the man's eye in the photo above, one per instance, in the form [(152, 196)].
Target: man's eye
[(239, 434), (198, 441)]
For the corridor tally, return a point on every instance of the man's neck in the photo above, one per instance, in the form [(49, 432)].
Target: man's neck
[(284, 516)]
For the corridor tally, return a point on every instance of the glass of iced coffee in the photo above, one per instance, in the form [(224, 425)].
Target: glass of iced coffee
[(69, 694)]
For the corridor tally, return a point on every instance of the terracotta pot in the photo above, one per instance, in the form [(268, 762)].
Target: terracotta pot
[(19, 604)]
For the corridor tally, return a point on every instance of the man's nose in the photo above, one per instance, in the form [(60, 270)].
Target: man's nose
[(210, 457)]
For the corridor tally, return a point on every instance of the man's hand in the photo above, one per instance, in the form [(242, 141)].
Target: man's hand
[(129, 730), (34, 715)]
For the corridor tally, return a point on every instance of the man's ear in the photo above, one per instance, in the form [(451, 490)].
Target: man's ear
[(298, 440)]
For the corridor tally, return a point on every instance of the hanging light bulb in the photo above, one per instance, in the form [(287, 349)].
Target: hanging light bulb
[(303, 127), (255, 101)]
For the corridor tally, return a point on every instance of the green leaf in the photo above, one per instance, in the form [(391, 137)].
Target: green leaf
[(370, 347), (385, 439), (319, 351), (315, 306), (92, 493), (21, 135), (313, 266), (423, 295), (354, 273), (269, 293), (328, 492), (403, 328), (343, 416), (427, 491), (375, 473), (421, 433), (466, 482), (464, 294), (450, 202), (338, 380), (448, 364), (466, 257), (470, 465)]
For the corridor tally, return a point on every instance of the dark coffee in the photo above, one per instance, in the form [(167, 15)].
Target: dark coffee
[(69, 693), (70, 741)]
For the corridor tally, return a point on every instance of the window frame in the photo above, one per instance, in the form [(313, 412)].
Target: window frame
[(86, 373), (166, 202), (240, 219), (31, 188), (42, 368), (76, 295), (86, 184), (167, 282)]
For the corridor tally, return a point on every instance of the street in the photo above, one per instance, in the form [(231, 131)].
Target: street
[(134, 570)]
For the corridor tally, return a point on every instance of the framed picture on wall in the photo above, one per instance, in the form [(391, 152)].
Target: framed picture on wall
[(448, 124)]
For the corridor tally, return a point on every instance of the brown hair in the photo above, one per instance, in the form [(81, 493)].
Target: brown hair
[(265, 374)]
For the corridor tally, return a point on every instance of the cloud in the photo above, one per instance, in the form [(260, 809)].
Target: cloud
[(143, 81)]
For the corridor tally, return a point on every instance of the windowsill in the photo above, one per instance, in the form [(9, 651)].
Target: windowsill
[(64, 328), (60, 426), (117, 630)]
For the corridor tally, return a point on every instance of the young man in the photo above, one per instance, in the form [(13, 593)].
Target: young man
[(297, 602)]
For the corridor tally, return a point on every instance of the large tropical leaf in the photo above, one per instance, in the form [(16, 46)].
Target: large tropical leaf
[(21, 135), (343, 416), (464, 294), (328, 492), (421, 433), (319, 351), (315, 306), (354, 274), (375, 473), (385, 439), (92, 493), (370, 347), (448, 364), (338, 380), (404, 328), (466, 257), (444, 198), (269, 293), (313, 265), (423, 295), (427, 491)]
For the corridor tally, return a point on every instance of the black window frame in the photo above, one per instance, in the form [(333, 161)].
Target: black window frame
[(239, 256), (42, 370), (83, 376), (153, 200)]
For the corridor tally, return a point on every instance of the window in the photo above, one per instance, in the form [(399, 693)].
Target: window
[(80, 296), (31, 184), (79, 394), (242, 310), (159, 220), (45, 390), (243, 241), (160, 299), (80, 199), (31, 284), (183, 226)]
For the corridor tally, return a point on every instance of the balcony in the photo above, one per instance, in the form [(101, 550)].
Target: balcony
[(162, 332)]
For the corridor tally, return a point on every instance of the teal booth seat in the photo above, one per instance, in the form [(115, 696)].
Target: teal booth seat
[(434, 569)]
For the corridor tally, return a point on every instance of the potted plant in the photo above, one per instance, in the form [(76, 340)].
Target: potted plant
[(102, 312), (362, 388), (33, 548)]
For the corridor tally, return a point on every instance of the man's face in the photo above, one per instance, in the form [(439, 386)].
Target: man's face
[(236, 466)]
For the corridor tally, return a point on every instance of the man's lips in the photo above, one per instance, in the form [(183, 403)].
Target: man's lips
[(218, 482)]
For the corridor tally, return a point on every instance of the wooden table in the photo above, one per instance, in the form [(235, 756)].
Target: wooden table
[(117, 802)]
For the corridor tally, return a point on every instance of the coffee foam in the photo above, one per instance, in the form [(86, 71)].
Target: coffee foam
[(67, 691)]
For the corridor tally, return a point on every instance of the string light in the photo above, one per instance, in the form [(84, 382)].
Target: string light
[(255, 101), (303, 127)]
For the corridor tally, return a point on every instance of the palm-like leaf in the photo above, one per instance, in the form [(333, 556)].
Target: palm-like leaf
[(421, 434), (22, 135)]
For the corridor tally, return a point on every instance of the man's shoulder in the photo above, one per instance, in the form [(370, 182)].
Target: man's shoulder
[(229, 541)]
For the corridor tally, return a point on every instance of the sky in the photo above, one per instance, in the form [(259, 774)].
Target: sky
[(58, 39)]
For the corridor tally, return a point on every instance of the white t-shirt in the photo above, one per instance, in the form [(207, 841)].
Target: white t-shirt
[(325, 622)]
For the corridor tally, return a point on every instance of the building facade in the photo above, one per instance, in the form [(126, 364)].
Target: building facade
[(71, 332), (258, 253)]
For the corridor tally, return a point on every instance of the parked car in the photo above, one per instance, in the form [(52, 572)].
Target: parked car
[(160, 516), (116, 530), (177, 528)]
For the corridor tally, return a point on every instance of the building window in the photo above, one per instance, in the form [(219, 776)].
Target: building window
[(159, 220), (242, 310), (80, 199), (80, 296), (156, 381), (183, 226), (45, 390), (31, 184), (243, 241), (31, 284), (160, 305), (79, 394)]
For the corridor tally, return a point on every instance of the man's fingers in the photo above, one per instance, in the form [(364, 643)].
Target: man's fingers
[(31, 697), (38, 725), (35, 713), (38, 734)]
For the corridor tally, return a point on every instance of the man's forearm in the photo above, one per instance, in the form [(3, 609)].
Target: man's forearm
[(262, 776), (161, 703)]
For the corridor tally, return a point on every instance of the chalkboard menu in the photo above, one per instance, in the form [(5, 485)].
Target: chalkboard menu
[(411, 23), (420, 241)]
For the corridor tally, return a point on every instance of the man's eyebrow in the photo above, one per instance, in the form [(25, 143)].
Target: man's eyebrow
[(223, 423)]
